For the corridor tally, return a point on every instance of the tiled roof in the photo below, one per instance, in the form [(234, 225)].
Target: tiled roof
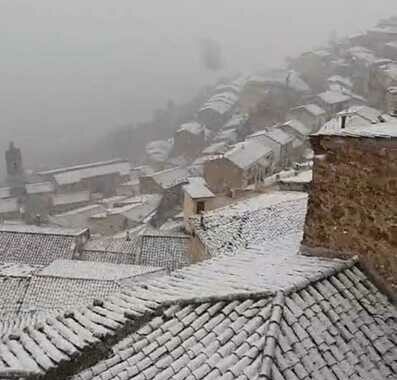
[(31, 290), (170, 177), (333, 97), (164, 250), (263, 218), (35, 248), (363, 129), (247, 153), (73, 174), (251, 316)]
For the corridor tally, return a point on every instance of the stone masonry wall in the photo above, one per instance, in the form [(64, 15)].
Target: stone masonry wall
[(353, 204)]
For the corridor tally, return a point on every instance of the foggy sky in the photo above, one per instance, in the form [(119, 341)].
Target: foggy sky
[(71, 70)]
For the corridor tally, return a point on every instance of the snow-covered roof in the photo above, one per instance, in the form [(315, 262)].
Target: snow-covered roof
[(256, 220), (216, 148), (333, 97), (9, 205), (228, 135), (313, 109), (76, 269), (197, 189), (221, 102), (61, 199), (362, 54), (247, 153), (39, 188), (281, 77), (74, 174), (170, 177), (158, 150), (26, 229), (236, 121), (345, 81), (364, 129), (305, 176), (278, 135), (297, 126), (193, 127)]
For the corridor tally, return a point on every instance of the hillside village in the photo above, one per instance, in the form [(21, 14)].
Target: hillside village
[(259, 241)]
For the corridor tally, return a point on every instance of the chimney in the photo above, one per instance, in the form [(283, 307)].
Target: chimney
[(127, 237), (353, 202)]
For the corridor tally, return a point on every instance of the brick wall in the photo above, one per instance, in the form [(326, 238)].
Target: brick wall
[(353, 204)]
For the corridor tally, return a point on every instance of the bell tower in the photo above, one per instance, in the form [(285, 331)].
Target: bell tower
[(14, 161)]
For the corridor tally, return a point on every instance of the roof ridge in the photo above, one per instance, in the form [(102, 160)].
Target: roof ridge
[(229, 297), (341, 266), (272, 333)]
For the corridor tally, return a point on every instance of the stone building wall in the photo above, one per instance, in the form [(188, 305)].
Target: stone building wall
[(221, 175), (353, 204)]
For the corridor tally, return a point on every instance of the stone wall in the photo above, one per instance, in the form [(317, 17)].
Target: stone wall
[(353, 204)]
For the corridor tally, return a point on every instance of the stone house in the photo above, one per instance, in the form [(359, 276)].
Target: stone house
[(189, 139), (353, 202), (333, 102), (279, 141), (296, 128), (197, 199), (247, 163), (311, 115), (217, 110), (98, 177)]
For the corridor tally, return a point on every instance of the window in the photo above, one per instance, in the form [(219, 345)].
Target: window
[(200, 207)]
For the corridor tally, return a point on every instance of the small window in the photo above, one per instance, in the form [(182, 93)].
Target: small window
[(200, 207)]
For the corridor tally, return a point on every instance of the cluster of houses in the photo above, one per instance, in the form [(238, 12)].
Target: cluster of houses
[(215, 263)]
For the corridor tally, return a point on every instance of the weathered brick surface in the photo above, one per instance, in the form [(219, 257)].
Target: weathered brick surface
[(353, 203)]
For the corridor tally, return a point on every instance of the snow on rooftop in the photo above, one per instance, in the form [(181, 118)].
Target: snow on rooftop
[(39, 188), (193, 127), (75, 174), (302, 177), (236, 121), (298, 126), (257, 202), (197, 188), (313, 109), (158, 150), (87, 270), (18, 269), (217, 148), (31, 229), (347, 82), (364, 129), (247, 153), (333, 97), (170, 177), (279, 136)]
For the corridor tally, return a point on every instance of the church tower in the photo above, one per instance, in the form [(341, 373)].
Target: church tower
[(14, 162)]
